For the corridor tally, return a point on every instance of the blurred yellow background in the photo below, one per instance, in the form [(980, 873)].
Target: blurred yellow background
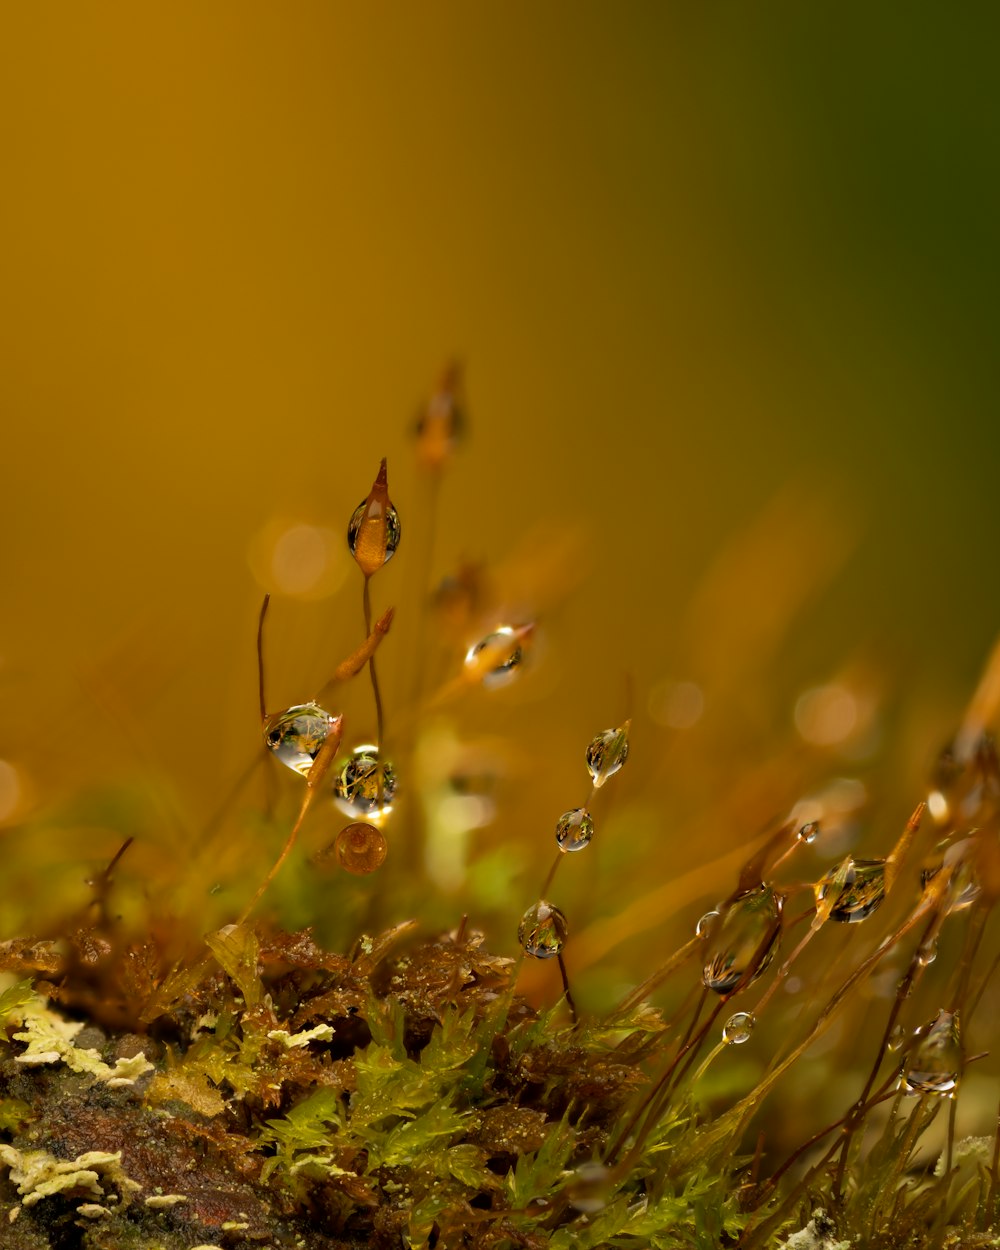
[(725, 289)]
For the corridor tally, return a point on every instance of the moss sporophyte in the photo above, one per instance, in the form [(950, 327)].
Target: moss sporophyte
[(793, 1073)]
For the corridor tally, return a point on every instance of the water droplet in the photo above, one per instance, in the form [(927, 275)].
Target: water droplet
[(574, 829), (360, 849), (542, 930), (296, 735), (373, 532), (364, 786), (607, 753), (494, 660), (701, 928), (861, 892), (588, 1190), (963, 886), (927, 953), (743, 941), (738, 1028), (897, 1037), (965, 781), (809, 832), (935, 1062)]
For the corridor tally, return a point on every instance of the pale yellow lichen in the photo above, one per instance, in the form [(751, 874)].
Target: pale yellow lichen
[(38, 1174), (321, 1033), (48, 1038)]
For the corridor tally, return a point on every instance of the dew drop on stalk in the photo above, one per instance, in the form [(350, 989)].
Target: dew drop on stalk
[(364, 785), (935, 1061), (896, 1038), (495, 659), (574, 829), (607, 753), (542, 930), (862, 889), (742, 942), (373, 531), (296, 735), (738, 1028), (701, 928), (926, 953), (809, 832), (360, 849)]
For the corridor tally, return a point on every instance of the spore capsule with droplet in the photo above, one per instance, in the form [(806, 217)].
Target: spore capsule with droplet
[(742, 942), (373, 531), (935, 1061), (295, 736), (542, 930), (862, 889), (738, 1028), (495, 659), (360, 849), (365, 786), (606, 753), (574, 829)]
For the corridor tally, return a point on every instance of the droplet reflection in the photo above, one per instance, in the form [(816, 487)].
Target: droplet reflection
[(494, 660), (542, 930), (574, 829), (607, 753), (935, 1063), (738, 1028), (862, 890), (296, 735), (364, 785), (743, 940)]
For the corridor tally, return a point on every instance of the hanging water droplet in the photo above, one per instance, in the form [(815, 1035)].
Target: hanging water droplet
[(542, 930), (364, 785), (738, 1028), (296, 735), (935, 1062), (574, 829), (360, 849), (896, 1038), (494, 660), (607, 753), (373, 531), (701, 928), (742, 942), (861, 892), (809, 832)]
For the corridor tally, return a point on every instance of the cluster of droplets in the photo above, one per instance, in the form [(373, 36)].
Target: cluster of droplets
[(305, 737), (542, 930)]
